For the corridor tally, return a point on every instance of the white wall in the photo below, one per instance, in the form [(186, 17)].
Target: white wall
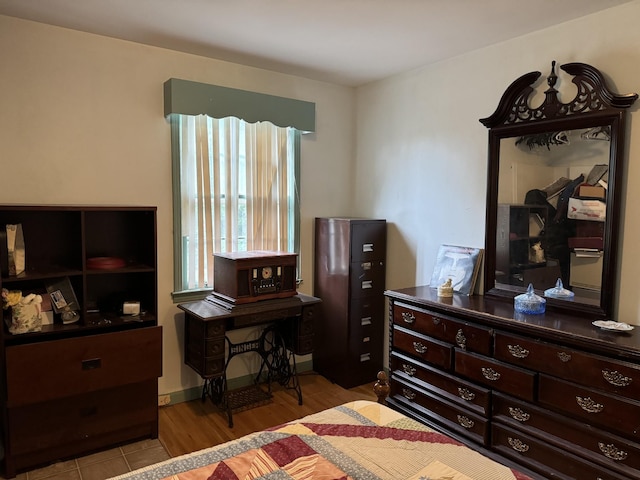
[(81, 122), (421, 151)]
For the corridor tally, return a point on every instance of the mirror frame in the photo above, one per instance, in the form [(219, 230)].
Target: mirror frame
[(594, 105)]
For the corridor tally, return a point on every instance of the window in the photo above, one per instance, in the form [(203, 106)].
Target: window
[(236, 182), (238, 191)]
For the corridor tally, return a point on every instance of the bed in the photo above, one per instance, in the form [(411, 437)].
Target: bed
[(358, 440)]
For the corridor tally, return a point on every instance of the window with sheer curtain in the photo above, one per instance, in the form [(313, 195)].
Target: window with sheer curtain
[(236, 180), (238, 191)]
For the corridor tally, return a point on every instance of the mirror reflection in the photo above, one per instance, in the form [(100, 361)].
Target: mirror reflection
[(551, 210)]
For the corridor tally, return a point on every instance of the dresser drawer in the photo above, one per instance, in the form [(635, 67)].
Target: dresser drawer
[(591, 443), (62, 368), (549, 461), (466, 336), (422, 347), (580, 367), (471, 396), (449, 415), (80, 418), (612, 412), (497, 375)]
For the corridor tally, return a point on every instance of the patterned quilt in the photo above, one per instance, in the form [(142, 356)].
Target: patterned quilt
[(359, 440)]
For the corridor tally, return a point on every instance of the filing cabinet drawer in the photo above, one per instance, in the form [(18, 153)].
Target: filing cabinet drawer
[(422, 347), (367, 279), (587, 369), (496, 375), (472, 396), (452, 416), (80, 365), (466, 336), (597, 408), (368, 240)]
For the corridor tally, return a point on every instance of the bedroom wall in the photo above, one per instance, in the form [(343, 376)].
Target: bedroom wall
[(421, 151), (81, 122)]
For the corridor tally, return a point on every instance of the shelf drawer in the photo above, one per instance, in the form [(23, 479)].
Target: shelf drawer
[(63, 368), (80, 418), (422, 347), (468, 337), (469, 395), (597, 408), (497, 375), (597, 445), (450, 415), (549, 461), (587, 369)]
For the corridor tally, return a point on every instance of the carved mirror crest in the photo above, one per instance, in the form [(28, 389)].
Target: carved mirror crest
[(553, 191)]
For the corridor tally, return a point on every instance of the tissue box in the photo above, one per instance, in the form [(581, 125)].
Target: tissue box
[(594, 210)]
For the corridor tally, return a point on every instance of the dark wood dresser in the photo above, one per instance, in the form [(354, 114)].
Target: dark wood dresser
[(71, 389), (349, 276), (550, 392)]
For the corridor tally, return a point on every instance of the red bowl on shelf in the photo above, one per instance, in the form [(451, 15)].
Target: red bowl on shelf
[(105, 263)]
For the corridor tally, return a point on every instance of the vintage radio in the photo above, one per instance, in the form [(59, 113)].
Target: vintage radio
[(245, 277)]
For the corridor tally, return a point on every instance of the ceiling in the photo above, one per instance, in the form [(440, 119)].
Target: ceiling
[(348, 42)]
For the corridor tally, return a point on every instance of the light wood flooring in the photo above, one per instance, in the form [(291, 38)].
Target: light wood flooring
[(189, 426)]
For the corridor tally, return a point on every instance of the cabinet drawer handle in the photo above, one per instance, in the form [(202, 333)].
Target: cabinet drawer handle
[(367, 247), (408, 317), (408, 394), (367, 284), (589, 405), (461, 340), (419, 347), (518, 445), (612, 452), (465, 421), (436, 321), (564, 357), (518, 351), (616, 378), (91, 364), (408, 369), (466, 394), (365, 266), (519, 414), (490, 374)]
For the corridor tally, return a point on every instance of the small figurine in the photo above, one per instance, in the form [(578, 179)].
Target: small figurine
[(446, 289)]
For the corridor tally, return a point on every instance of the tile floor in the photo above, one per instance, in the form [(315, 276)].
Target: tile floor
[(102, 465)]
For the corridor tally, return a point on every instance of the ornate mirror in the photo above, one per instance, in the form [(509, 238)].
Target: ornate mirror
[(554, 181)]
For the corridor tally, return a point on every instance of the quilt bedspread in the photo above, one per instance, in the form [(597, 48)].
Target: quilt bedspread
[(358, 440)]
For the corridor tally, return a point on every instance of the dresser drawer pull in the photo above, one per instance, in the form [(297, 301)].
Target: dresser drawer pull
[(518, 445), (466, 394), (589, 405), (408, 394), (436, 320), (616, 378), (91, 364), (408, 369), (612, 452), (461, 340), (465, 421), (419, 347), (518, 351), (490, 374), (408, 317), (564, 357), (519, 414)]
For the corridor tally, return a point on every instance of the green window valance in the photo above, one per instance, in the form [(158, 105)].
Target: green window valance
[(194, 98)]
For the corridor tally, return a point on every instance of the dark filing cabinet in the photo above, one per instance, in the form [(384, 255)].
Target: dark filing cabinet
[(349, 277)]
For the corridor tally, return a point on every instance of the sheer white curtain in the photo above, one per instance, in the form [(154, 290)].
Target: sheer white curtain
[(238, 191)]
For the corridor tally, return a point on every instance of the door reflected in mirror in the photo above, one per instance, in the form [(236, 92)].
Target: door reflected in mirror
[(552, 193)]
